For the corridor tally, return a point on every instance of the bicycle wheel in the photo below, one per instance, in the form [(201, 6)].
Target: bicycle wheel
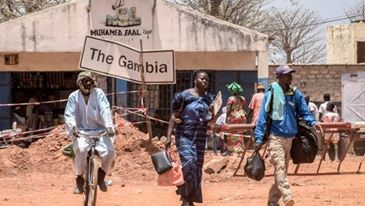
[(93, 180), (87, 182)]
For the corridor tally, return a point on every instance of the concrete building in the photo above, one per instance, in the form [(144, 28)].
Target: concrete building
[(316, 79), (50, 41), (346, 43)]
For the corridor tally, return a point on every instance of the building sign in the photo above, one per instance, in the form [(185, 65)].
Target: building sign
[(125, 21), (121, 61)]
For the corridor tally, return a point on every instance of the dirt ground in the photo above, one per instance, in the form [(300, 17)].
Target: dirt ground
[(43, 189), (42, 176)]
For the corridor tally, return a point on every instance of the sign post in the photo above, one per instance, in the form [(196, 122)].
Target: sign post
[(121, 61), (144, 103), (126, 21), (118, 60)]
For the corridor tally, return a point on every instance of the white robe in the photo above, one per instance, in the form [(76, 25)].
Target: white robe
[(96, 114)]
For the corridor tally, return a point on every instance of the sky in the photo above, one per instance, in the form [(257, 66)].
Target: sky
[(327, 9)]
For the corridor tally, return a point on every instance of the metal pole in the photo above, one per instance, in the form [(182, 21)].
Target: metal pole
[(144, 102)]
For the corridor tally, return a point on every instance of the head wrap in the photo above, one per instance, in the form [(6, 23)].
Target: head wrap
[(234, 88), (82, 76), (260, 86)]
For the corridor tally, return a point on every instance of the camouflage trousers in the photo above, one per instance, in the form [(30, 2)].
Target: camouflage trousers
[(279, 155)]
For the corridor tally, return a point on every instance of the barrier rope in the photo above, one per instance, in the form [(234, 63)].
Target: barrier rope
[(138, 113), (11, 136), (56, 101)]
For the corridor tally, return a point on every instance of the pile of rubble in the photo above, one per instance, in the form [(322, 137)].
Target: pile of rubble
[(132, 161), (45, 155)]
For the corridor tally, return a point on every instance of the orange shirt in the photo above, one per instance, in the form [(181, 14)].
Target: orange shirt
[(255, 105)]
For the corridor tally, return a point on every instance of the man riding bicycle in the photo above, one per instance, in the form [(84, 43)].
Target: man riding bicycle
[(88, 108)]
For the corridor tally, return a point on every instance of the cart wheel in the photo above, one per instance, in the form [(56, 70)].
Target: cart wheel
[(342, 145)]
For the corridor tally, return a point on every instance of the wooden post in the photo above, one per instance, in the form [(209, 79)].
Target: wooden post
[(144, 102)]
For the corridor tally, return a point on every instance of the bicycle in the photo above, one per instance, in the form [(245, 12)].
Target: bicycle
[(92, 165)]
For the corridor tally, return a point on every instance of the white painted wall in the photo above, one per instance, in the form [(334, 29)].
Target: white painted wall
[(57, 29), (62, 29), (342, 42), (184, 29)]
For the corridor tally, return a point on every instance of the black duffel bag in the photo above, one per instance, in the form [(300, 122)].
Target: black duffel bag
[(255, 166), (305, 145)]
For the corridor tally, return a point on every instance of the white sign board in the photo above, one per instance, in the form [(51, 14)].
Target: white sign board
[(217, 103), (125, 21), (117, 60)]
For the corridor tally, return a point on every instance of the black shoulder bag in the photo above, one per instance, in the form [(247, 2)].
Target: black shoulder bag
[(305, 145)]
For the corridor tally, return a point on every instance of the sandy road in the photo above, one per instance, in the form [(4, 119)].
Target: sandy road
[(49, 189)]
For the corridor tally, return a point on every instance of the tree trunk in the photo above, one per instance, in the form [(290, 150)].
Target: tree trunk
[(214, 7), (289, 60)]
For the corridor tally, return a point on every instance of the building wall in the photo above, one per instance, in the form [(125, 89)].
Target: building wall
[(57, 29), (216, 60), (360, 42), (42, 62), (184, 29), (57, 35), (359, 29), (5, 97), (341, 45), (315, 80)]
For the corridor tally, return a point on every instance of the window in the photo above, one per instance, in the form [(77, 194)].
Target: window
[(360, 52)]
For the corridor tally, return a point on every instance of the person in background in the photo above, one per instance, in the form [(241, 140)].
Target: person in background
[(288, 105), (312, 107), (31, 119), (235, 115), (17, 116), (195, 110), (88, 108), (332, 139), (323, 107), (256, 102), (31, 114), (45, 113), (219, 123)]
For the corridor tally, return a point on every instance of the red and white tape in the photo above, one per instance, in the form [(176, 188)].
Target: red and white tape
[(138, 112), (56, 101)]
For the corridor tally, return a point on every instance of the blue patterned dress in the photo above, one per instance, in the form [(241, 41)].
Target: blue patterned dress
[(191, 137)]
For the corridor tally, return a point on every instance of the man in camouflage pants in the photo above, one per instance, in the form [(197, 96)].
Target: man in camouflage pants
[(287, 105)]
